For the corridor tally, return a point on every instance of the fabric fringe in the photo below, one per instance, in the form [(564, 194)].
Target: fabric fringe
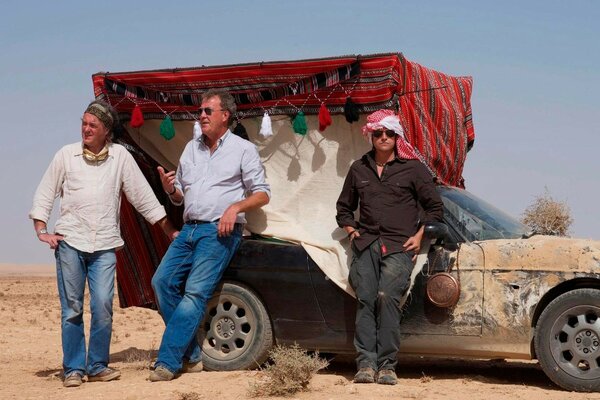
[(299, 124), (197, 132), (266, 128), (324, 117), (137, 118)]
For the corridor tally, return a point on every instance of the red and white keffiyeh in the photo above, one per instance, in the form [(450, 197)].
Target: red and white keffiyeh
[(388, 120)]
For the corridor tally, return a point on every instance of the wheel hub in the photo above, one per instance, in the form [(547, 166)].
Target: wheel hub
[(225, 327), (587, 341)]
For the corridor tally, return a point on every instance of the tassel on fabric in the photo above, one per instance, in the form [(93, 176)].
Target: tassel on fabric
[(240, 131), (197, 132), (266, 129), (137, 118), (299, 124), (351, 111), (324, 117), (167, 130)]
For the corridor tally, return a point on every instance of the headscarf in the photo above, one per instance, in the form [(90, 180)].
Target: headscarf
[(388, 120), (103, 113)]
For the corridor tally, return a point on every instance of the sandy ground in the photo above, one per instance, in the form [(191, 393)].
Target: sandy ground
[(30, 361)]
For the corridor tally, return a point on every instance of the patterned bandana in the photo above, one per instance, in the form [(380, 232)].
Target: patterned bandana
[(388, 120), (102, 113), (90, 156)]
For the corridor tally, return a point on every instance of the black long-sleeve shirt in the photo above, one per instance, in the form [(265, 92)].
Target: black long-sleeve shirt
[(389, 205)]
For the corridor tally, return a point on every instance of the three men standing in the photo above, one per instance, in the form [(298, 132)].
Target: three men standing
[(396, 196), (219, 178)]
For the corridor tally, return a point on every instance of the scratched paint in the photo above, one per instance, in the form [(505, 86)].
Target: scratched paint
[(502, 283)]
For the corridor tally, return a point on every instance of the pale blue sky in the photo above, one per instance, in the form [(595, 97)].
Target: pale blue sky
[(535, 65)]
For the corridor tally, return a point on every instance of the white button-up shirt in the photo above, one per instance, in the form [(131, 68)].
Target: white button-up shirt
[(212, 182), (90, 195)]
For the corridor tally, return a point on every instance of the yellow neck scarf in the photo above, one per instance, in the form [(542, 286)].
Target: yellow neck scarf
[(90, 156)]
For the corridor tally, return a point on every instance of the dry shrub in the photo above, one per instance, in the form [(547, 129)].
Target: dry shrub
[(425, 378), (291, 370), (188, 396), (139, 359), (547, 216)]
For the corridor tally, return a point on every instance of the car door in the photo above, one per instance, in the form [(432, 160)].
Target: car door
[(421, 316)]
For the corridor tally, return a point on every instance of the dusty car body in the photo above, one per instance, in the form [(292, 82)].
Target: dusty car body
[(522, 297)]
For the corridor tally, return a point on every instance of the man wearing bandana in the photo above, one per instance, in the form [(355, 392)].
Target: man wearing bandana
[(90, 177), (396, 196)]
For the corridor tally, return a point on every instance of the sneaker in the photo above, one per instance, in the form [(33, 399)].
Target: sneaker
[(365, 375), (387, 377), (161, 374), (107, 374), (74, 379), (189, 367)]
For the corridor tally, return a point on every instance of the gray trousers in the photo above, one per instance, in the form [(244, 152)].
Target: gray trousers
[(379, 283)]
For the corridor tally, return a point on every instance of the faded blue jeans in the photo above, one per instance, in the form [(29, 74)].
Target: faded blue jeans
[(184, 282), (73, 267)]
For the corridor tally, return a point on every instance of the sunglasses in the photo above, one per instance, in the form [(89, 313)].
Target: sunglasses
[(207, 110), (389, 133)]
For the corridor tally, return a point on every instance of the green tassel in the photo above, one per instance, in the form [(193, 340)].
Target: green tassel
[(299, 124), (167, 130)]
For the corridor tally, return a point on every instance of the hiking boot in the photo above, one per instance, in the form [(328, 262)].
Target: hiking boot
[(161, 374), (387, 377), (365, 375), (107, 374), (190, 367), (74, 379)]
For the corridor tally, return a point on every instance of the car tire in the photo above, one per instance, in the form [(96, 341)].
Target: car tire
[(236, 331), (567, 340)]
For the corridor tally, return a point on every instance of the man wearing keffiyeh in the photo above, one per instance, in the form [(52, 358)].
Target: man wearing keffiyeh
[(396, 196)]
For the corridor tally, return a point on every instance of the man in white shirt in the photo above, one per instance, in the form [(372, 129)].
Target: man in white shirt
[(220, 176), (90, 177)]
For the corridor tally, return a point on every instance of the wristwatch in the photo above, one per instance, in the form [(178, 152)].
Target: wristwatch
[(42, 231)]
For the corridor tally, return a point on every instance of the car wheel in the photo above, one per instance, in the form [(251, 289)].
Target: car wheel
[(236, 331), (567, 340)]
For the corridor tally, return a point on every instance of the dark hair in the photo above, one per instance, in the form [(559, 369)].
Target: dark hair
[(227, 102)]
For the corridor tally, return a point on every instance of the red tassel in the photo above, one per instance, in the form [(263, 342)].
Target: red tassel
[(137, 119), (324, 117)]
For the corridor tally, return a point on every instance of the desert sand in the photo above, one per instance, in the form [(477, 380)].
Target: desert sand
[(30, 361)]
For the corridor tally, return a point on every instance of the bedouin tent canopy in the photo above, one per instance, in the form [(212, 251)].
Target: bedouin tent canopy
[(305, 170)]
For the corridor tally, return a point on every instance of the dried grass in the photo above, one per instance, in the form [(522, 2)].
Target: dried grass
[(188, 396), (547, 216), (291, 371)]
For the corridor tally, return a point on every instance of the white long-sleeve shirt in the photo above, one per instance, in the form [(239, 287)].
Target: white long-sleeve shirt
[(90, 195)]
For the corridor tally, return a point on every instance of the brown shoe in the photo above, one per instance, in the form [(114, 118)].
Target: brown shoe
[(189, 367), (107, 374), (387, 377), (365, 375), (161, 374), (74, 379)]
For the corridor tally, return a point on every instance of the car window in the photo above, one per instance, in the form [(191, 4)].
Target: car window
[(475, 219)]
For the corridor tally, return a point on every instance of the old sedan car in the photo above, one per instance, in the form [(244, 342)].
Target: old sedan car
[(522, 296)]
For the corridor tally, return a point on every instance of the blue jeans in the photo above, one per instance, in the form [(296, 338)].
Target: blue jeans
[(184, 282), (72, 269)]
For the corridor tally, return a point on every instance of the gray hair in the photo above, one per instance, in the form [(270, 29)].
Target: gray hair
[(227, 102)]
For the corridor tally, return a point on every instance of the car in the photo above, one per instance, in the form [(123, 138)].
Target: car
[(522, 296)]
